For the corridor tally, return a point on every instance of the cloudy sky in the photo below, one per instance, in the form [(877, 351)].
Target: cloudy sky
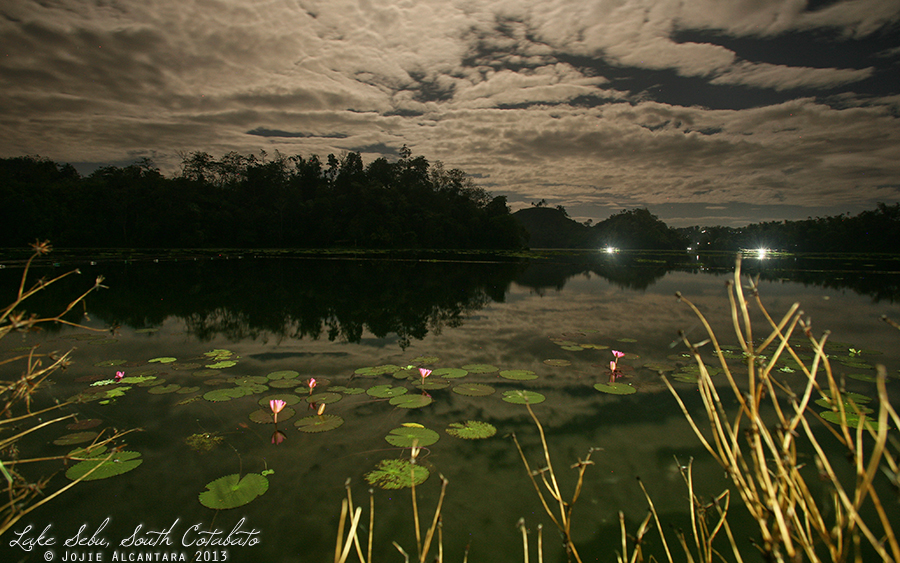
[(707, 111)]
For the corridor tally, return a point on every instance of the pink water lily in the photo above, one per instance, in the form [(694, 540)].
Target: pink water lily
[(276, 405), (618, 354), (119, 376), (312, 384), (424, 373)]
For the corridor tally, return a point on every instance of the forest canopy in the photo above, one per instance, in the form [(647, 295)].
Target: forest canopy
[(244, 201)]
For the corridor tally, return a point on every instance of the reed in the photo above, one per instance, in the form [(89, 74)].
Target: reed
[(16, 397), (759, 444)]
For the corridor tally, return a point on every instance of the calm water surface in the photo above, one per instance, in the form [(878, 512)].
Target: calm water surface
[(329, 318)]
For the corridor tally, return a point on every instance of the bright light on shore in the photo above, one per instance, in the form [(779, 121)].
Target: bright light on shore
[(761, 253), (611, 250)]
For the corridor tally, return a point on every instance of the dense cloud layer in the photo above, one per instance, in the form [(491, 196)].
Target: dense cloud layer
[(710, 111)]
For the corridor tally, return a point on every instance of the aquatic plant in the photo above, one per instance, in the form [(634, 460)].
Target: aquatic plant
[(16, 412)]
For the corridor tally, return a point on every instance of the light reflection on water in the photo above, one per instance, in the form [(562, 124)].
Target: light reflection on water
[(326, 319)]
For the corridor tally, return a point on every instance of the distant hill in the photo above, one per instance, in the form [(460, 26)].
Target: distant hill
[(549, 227), (635, 229)]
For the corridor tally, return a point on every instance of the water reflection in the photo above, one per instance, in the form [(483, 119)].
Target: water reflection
[(405, 299)]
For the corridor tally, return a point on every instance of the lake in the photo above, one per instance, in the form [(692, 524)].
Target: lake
[(205, 340)]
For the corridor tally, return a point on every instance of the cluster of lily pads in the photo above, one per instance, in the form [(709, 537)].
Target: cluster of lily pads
[(293, 394)]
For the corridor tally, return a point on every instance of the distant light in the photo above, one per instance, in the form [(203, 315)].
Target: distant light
[(761, 253), (611, 250)]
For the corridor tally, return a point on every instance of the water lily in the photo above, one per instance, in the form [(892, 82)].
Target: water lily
[(312, 384), (119, 376), (424, 373), (618, 354), (321, 409), (276, 405)]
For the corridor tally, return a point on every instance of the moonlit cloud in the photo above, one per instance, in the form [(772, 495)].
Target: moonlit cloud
[(597, 106)]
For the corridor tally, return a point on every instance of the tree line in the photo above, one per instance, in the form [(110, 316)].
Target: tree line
[(245, 201), (875, 230)]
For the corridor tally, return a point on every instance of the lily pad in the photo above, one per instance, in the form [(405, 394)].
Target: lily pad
[(163, 389), (572, 348), (518, 374), (615, 388), (319, 423), (558, 363), (520, 397), (219, 395), (432, 385), (186, 390), (248, 380), (222, 365), (110, 363), (325, 398), (283, 374), (848, 408), (120, 462), (285, 383), (163, 360), (288, 398), (473, 389), (76, 438), (386, 391), (450, 373), (206, 372), (377, 370), (347, 390), (264, 416), (233, 491), (411, 401), (84, 424), (480, 368), (626, 340), (397, 474), (405, 436), (852, 419), (471, 430)]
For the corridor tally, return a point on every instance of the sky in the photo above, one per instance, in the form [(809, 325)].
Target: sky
[(706, 112)]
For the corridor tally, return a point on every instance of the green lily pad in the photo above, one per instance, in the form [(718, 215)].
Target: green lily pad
[(450, 373), (473, 389), (411, 401), (863, 376), (183, 366), (265, 416), (248, 380), (163, 360), (397, 474), (120, 462), (480, 368), (518, 374), (347, 390), (163, 389), (76, 438), (319, 423), (558, 363), (206, 372), (471, 430), (386, 391), (573, 348), (520, 397), (405, 374), (325, 398), (852, 419), (219, 353), (857, 398), (626, 340), (186, 390), (222, 365), (432, 385), (219, 395), (594, 346), (233, 491), (285, 383), (283, 374), (615, 388), (110, 363), (288, 398), (848, 408), (404, 437), (377, 370)]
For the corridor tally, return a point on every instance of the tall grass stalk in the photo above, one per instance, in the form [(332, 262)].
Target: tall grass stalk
[(761, 457), (16, 397)]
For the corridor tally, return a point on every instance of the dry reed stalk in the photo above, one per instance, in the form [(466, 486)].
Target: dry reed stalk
[(761, 458)]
